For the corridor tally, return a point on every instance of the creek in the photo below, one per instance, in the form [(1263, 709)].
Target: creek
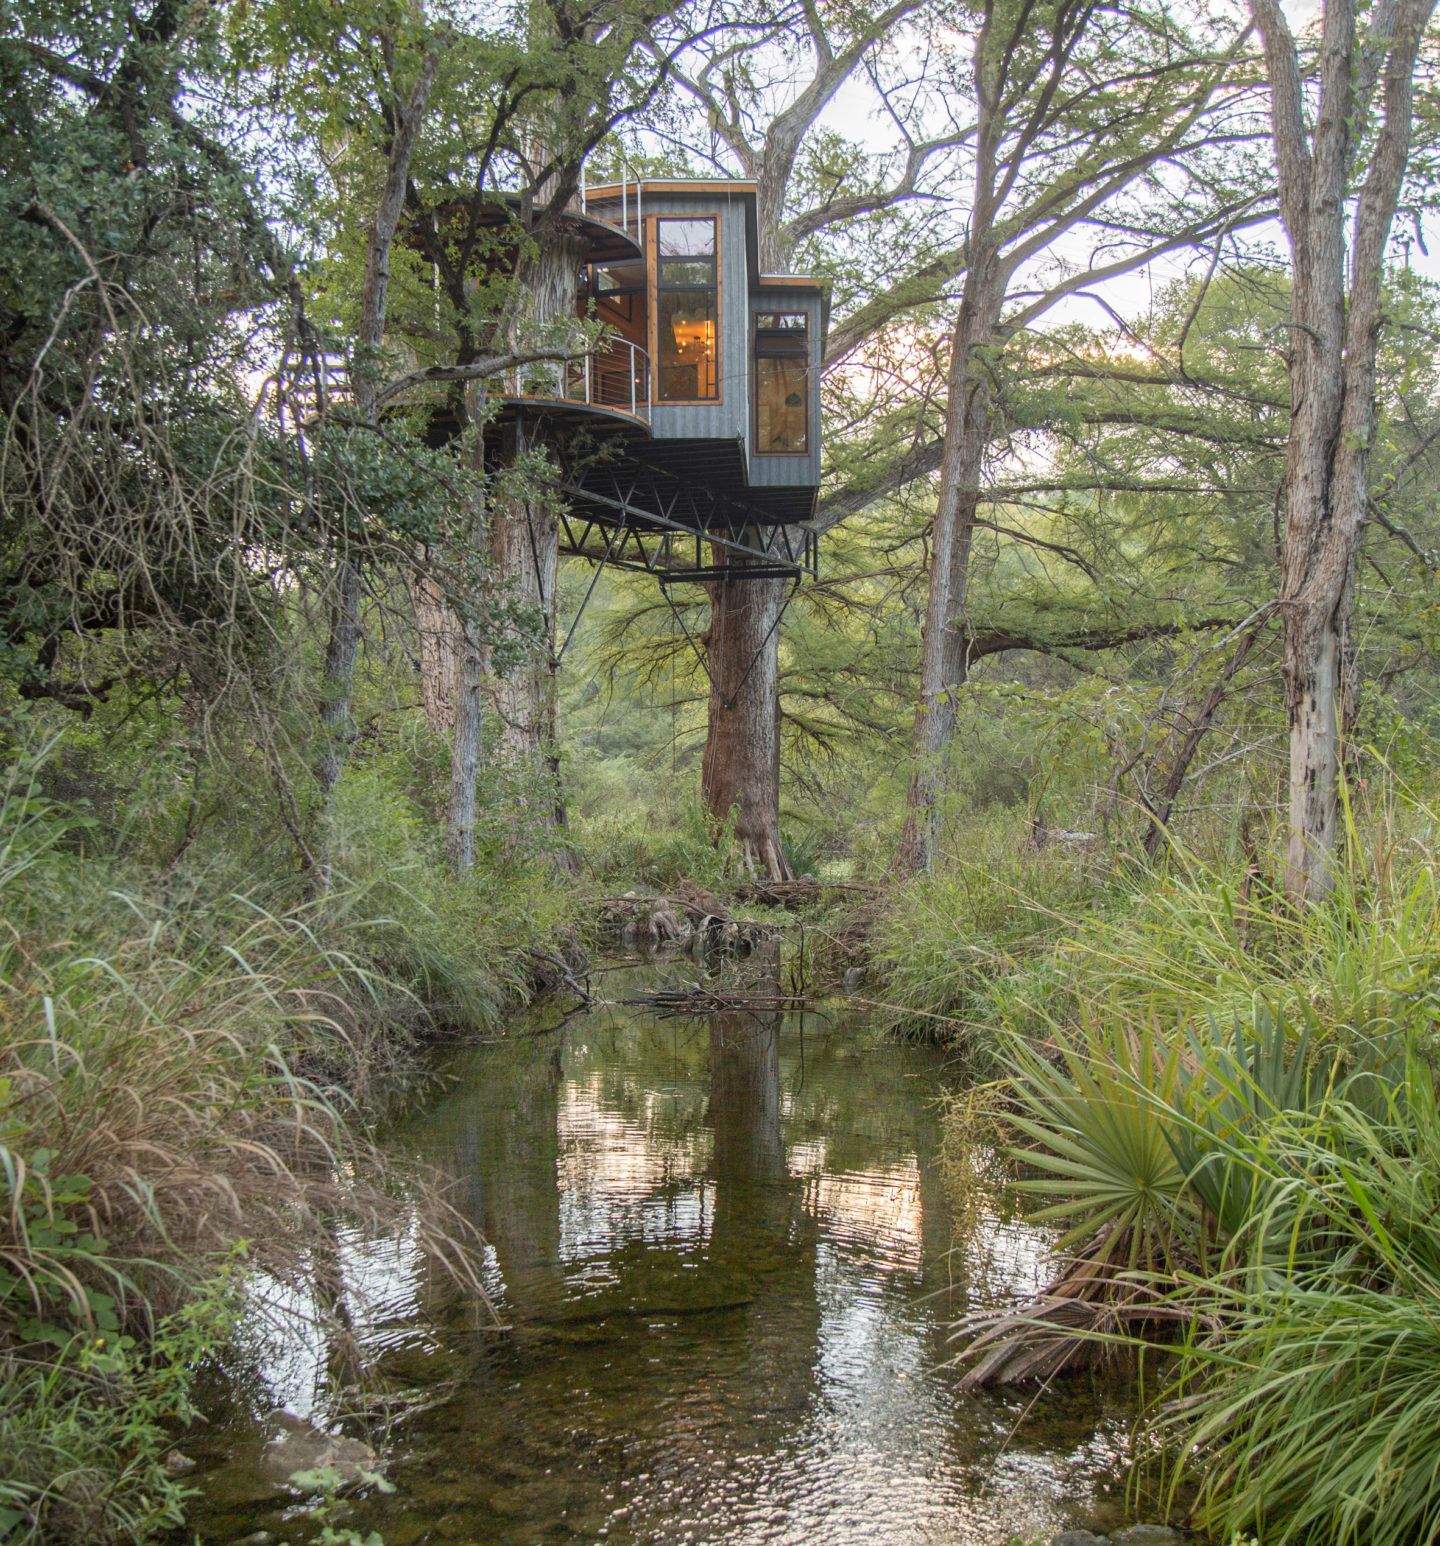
[(725, 1258)]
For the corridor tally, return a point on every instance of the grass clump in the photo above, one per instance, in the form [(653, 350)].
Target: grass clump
[(181, 1078), (1309, 1409), (1231, 1117), (948, 946)]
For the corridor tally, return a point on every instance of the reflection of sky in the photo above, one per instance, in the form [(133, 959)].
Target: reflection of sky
[(814, 1409), (380, 1294)]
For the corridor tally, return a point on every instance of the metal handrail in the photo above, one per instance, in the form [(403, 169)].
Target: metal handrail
[(617, 376), (627, 181)]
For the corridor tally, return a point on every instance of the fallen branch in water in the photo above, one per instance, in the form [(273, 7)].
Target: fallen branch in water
[(695, 999), (795, 893), (1092, 1307)]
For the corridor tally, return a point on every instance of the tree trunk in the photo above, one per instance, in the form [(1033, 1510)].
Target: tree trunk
[(439, 646), (1334, 341), (524, 556), (945, 647), (341, 651), (524, 553), (740, 774), (344, 642), (466, 707)]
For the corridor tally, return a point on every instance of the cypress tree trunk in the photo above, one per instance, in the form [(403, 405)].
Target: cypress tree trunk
[(1337, 317), (439, 647), (466, 644), (524, 549), (511, 544), (740, 775), (945, 650)]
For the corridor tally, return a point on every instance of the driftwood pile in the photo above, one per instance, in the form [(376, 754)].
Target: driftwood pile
[(693, 918)]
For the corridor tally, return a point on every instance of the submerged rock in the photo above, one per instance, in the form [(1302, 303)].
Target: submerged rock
[(296, 1446), (1079, 1538), (1147, 1535)]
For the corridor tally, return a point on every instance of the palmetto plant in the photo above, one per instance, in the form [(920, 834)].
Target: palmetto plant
[(1100, 1120), (1103, 1156)]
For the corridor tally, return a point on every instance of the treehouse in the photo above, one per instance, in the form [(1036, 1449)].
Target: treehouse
[(688, 444)]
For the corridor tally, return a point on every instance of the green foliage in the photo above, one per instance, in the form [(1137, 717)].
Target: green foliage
[(85, 1432), (659, 849), (1103, 1149), (1233, 1121), (954, 943), (457, 944), (1211, 940), (182, 1069), (1311, 1414)]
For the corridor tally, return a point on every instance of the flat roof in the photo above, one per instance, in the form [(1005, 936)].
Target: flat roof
[(672, 185)]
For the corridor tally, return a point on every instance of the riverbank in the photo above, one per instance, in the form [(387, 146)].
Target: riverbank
[(191, 1076), (1227, 1106)]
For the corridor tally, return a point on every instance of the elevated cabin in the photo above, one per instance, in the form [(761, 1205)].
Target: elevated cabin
[(706, 400)]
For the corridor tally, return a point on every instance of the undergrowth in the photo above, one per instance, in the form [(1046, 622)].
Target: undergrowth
[(951, 945), (187, 1078), (1226, 1106)]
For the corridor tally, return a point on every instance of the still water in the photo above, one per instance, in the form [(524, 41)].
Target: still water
[(726, 1261)]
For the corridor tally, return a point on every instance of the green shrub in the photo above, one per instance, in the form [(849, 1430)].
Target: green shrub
[(1310, 1411), (948, 944), (85, 1433), (639, 846)]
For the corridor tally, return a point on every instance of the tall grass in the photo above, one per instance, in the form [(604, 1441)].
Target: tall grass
[(175, 1087), (1231, 1111), (1208, 939), (981, 930), (1310, 1411)]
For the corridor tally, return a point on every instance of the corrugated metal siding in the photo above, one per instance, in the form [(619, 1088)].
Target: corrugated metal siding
[(790, 471), (727, 419), (730, 418)]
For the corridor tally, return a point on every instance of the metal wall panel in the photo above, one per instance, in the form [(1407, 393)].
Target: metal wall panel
[(731, 418), (725, 420), (790, 471)]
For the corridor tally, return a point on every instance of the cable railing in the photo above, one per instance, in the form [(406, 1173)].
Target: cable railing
[(628, 203), (617, 376)]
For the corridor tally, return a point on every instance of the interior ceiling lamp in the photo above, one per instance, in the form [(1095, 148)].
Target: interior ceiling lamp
[(693, 334)]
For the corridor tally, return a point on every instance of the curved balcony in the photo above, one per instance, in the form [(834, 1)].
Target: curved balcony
[(615, 379)]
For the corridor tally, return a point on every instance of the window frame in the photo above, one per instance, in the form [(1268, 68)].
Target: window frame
[(657, 288), (803, 354)]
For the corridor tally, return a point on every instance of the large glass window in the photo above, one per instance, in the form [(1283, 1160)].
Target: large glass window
[(687, 311), (782, 381)]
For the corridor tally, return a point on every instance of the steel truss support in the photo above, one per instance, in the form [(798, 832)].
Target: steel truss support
[(670, 526), (626, 538)]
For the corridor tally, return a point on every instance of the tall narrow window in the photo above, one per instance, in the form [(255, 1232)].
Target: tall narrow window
[(686, 335), (782, 387)]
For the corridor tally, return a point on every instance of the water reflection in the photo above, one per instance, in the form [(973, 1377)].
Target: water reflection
[(722, 1248)]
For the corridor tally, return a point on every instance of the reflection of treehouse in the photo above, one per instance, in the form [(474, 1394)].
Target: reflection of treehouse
[(687, 444)]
